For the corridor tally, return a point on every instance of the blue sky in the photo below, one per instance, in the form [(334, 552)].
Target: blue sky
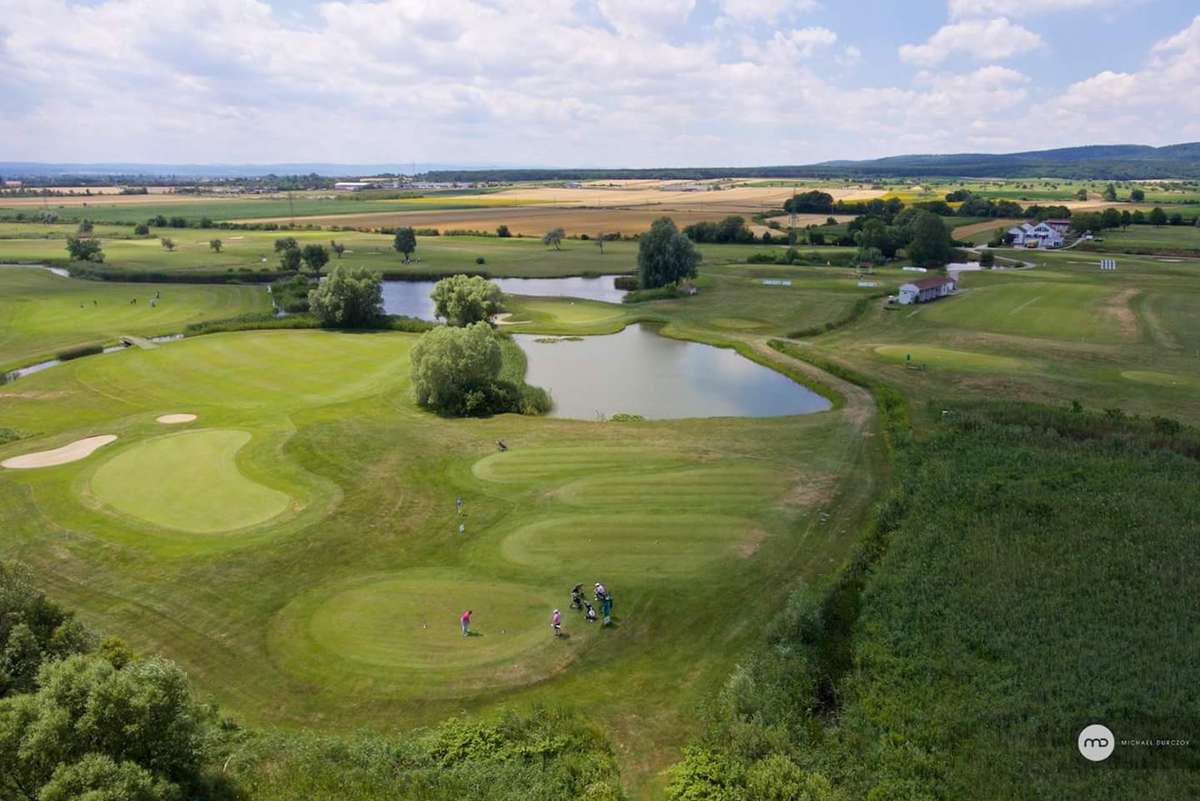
[(588, 82)]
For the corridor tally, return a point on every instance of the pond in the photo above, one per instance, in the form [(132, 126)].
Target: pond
[(411, 298), (640, 372)]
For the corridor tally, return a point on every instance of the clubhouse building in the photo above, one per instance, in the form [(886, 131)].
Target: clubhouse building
[(927, 289), (1047, 234)]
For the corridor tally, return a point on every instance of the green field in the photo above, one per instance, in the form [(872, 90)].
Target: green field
[(246, 252), (102, 209), (42, 313), (296, 548)]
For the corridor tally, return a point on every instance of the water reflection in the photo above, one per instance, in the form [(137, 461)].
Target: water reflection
[(640, 372), (411, 298)]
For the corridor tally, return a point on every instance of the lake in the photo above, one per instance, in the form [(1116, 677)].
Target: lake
[(641, 372), (411, 298)]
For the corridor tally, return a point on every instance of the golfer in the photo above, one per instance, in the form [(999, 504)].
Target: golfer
[(466, 623), (556, 623)]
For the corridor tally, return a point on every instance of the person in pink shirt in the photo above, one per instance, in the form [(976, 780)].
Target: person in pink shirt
[(466, 623), (556, 623)]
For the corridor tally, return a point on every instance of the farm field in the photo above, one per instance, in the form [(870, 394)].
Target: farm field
[(253, 251), (314, 575), (42, 313)]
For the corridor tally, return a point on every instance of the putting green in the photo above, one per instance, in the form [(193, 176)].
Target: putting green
[(188, 481), (631, 546), (1162, 379), (377, 625), (950, 359)]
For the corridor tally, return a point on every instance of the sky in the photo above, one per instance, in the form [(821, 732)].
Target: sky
[(588, 83)]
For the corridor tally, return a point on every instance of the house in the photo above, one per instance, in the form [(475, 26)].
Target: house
[(1040, 235), (351, 186), (1062, 226), (927, 289)]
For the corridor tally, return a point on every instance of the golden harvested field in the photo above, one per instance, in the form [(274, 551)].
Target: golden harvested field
[(625, 207), (636, 193), (529, 220), (965, 232)]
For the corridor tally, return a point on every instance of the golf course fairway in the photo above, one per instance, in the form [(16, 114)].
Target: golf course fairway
[(297, 548)]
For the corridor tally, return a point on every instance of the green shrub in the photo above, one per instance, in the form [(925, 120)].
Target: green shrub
[(79, 352)]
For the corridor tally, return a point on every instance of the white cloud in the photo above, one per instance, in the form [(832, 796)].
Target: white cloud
[(521, 82), (1022, 8), (637, 17), (982, 40), (764, 10)]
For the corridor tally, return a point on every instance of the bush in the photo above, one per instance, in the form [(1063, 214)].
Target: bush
[(625, 282), (456, 372), (348, 298), (84, 249), (291, 294), (463, 300), (480, 260), (79, 352), (659, 293)]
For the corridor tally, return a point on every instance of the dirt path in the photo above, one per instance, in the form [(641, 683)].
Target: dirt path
[(858, 406)]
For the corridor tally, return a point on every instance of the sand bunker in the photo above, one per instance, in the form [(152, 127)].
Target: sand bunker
[(79, 449), (174, 419)]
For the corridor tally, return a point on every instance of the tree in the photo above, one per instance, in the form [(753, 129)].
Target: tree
[(1081, 194), (167, 242), (84, 249), (86, 226), (930, 244), (337, 247), (464, 300), (33, 630), (97, 777), (158, 221), (91, 726), (554, 237), (503, 232), (141, 229), (1111, 218), (813, 202), (1110, 193), (348, 298), (286, 243), (289, 259), (1139, 217), (869, 255), (874, 234), (1137, 196), (987, 259), (315, 256), (665, 255), (405, 242), (1157, 217), (456, 370), (1126, 218), (215, 245)]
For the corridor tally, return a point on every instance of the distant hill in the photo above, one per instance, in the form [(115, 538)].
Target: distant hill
[(1100, 162), (1110, 162)]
